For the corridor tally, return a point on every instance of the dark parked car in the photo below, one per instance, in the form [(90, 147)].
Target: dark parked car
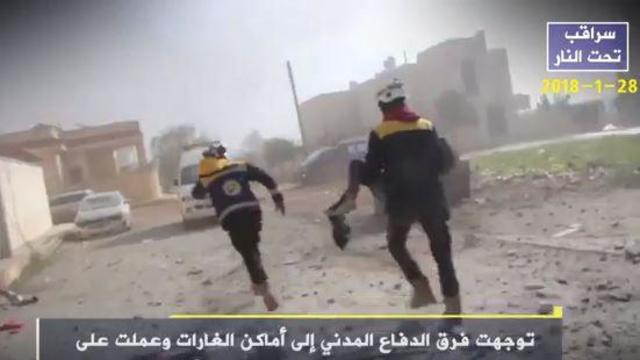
[(331, 163)]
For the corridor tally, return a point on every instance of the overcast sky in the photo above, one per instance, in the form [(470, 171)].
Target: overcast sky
[(221, 64)]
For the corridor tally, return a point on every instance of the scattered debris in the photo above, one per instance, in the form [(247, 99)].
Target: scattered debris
[(113, 263), (546, 294), (470, 241), (597, 323), (545, 309), (291, 262), (620, 296), (179, 261), (606, 286), (607, 340), (16, 299), (207, 282), (533, 286), (632, 251), (572, 228), (194, 272), (154, 303)]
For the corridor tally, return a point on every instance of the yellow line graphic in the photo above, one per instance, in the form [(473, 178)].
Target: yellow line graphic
[(556, 314)]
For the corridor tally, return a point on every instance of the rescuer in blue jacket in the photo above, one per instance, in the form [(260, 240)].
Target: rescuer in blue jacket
[(238, 209)]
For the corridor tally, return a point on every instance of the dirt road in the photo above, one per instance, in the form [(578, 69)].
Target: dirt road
[(507, 257)]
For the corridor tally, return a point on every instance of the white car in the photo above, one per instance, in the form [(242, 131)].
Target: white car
[(102, 213), (64, 207), (192, 210)]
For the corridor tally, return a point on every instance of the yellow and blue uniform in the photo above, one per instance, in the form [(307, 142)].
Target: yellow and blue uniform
[(237, 208), (227, 183)]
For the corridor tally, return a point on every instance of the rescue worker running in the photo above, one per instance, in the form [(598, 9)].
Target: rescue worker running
[(407, 153), (238, 209)]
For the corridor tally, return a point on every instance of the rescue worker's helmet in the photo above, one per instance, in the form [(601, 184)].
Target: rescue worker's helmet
[(391, 92), (215, 149)]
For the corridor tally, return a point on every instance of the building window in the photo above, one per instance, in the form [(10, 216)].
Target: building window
[(75, 174), (469, 80), (127, 157)]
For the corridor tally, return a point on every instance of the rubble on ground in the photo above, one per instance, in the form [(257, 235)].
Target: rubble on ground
[(632, 251)]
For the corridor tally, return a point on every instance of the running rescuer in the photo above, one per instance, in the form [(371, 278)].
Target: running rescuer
[(409, 157), (238, 210)]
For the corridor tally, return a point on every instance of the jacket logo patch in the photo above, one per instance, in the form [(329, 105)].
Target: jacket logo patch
[(231, 188)]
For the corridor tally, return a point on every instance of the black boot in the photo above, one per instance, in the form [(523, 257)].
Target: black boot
[(340, 230)]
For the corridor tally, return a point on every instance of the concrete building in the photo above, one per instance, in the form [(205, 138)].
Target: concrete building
[(101, 158), (459, 70), (24, 209), (558, 120)]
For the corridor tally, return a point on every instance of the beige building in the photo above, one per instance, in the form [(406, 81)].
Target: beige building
[(476, 75), (101, 158), (24, 209)]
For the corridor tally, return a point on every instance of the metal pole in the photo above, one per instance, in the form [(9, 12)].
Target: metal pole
[(295, 100)]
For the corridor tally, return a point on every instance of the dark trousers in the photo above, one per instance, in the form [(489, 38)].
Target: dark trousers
[(359, 175), (244, 228), (440, 241)]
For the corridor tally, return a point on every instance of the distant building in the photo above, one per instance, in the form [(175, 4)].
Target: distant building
[(101, 158), (477, 75), (554, 120)]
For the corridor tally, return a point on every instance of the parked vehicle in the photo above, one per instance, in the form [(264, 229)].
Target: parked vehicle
[(330, 163), (102, 213), (64, 207), (196, 211)]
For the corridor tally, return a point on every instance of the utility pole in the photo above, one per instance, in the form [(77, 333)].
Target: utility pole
[(297, 105)]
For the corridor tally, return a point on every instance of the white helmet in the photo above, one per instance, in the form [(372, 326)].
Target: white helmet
[(391, 92), (215, 149)]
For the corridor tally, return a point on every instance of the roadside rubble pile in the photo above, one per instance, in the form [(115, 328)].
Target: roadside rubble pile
[(563, 178)]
